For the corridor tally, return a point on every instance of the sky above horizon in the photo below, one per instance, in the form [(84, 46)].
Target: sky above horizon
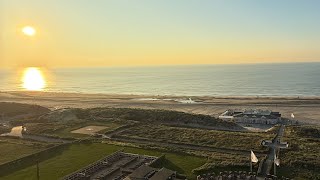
[(84, 33)]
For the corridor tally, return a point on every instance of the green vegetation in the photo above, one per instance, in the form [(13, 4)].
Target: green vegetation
[(59, 123), (157, 116), (4, 129), (303, 155), (9, 109), (153, 125), (14, 148), (213, 138), (80, 155), (181, 163), (304, 131), (63, 130), (218, 162), (66, 132)]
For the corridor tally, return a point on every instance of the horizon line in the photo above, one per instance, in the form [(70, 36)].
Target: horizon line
[(163, 65)]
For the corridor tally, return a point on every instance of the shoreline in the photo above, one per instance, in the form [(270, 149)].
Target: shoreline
[(306, 110), (295, 97)]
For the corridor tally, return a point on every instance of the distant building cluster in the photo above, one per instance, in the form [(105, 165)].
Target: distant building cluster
[(127, 166), (251, 116)]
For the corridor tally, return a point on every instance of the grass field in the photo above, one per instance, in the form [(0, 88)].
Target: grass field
[(80, 155), (13, 148)]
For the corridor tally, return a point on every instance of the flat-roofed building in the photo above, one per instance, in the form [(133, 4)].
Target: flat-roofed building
[(149, 173), (124, 166), (115, 166), (251, 116)]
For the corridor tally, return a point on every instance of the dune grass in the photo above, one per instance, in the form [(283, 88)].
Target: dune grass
[(63, 130), (157, 116), (213, 138), (303, 154)]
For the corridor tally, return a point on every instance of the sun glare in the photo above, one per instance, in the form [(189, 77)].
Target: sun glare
[(29, 31), (33, 79)]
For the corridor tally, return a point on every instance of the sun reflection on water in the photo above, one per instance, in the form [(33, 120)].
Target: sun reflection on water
[(33, 79)]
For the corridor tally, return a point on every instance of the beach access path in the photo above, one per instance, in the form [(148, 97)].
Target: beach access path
[(274, 147)]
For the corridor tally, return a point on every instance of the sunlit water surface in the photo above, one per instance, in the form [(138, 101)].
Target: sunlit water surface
[(296, 79)]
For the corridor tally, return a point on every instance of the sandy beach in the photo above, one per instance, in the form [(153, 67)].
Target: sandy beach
[(306, 110)]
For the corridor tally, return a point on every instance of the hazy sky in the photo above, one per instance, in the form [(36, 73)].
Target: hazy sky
[(149, 32)]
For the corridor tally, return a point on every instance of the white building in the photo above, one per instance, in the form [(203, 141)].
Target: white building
[(256, 116)]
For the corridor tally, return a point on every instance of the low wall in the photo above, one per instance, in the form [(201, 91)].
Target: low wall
[(31, 159)]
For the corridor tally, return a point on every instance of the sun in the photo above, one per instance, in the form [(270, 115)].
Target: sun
[(33, 79), (29, 31)]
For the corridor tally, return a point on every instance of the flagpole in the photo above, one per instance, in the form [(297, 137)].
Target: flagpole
[(274, 164), (38, 173), (274, 169), (250, 161), (253, 158)]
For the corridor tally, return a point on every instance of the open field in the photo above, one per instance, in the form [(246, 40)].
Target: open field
[(80, 155), (14, 148)]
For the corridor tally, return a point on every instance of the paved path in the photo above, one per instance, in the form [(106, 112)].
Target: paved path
[(274, 148)]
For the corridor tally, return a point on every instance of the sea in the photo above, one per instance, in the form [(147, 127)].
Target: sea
[(280, 79)]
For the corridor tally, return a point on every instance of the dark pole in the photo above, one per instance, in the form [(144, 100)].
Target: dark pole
[(38, 173), (250, 163)]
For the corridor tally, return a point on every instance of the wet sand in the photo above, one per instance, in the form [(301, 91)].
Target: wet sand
[(305, 109)]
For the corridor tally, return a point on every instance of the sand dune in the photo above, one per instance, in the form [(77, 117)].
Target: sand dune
[(306, 110)]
